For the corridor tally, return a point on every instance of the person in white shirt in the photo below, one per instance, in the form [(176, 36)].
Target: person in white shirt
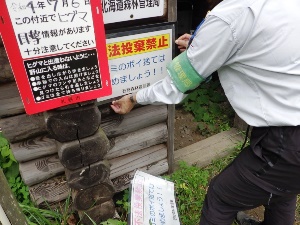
[(254, 45)]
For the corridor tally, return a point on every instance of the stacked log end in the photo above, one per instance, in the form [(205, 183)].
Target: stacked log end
[(82, 145)]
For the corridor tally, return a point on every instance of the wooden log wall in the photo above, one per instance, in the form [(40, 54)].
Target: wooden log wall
[(84, 150), (141, 146)]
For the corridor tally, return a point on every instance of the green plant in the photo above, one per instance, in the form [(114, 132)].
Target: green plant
[(60, 215), (11, 171), (190, 188), (124, 205), (113, 222), (39, 216), (209, 106)]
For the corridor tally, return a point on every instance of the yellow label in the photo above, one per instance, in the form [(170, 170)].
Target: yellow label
[(137, 46)]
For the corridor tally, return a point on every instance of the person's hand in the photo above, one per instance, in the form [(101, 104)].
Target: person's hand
[(123, 105), (183, 42)]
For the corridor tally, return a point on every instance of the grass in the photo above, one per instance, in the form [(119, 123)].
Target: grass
[(191, 184)]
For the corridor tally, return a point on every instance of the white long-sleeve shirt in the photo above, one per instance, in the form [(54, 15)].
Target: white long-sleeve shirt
[(254, 45)]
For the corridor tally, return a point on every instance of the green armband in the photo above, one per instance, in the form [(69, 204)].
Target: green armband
[(183, 74)]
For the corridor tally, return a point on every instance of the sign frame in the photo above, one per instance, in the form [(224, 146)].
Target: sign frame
[(17, 63), (136, 30)]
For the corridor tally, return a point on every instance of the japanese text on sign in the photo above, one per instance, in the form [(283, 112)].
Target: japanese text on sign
[(120, 5), (55, 51), (62, 75), (41, 26), (138, 60), (124, 10), (138, 46), (152, 201)]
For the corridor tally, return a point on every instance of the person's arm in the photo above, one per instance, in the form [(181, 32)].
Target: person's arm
[(161, 92), (212, 46)]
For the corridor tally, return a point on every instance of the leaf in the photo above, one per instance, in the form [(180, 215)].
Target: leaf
[(217, 97), (203, 100), (215, 109), (5, 151), (193, 96), (3, 141), (206, 117), (7, 164), (199, 112), (112, 222), (13, 170)]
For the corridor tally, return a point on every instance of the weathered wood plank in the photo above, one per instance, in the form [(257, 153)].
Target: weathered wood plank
[(21, 127), (87, 198), (122, 182), (88, 176), (38, 170), (9, 203), (139, 118), (98, 213), (56, 189), (77, 154), (170, 143), (138, 140), (202, 153), (10, 100), (43, 145), (33, 148), (51, 191), (6, 74), (72, 124), (130, 162), (172, 10)]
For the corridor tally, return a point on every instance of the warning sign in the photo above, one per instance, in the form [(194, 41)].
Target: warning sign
[(57, 55), (138, 58)]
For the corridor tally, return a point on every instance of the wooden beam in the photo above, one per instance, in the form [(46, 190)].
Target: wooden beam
[(170, 143), (10, 100), (204, 152), (138, 140), (38, 170), (44, 146), (56, 189), (116, 125), (50, 191), (122, 182), (132, 161), (6, 74), (22, 127), (41, 169), (172, 10), (33, 148), (10, 204)]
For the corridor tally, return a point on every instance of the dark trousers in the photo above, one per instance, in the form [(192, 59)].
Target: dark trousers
[(265, 173)]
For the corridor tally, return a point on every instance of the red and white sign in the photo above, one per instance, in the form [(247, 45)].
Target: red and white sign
[(57, 51)]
